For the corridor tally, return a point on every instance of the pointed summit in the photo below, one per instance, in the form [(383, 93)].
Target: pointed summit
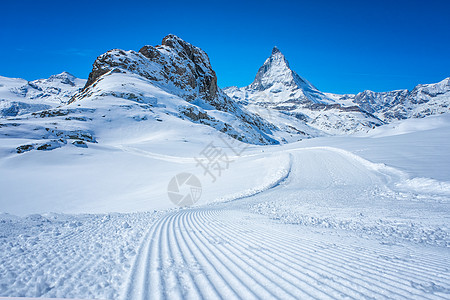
[(276, 72), (275, 50)]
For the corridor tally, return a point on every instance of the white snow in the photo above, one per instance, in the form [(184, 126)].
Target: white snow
[(357, 216)]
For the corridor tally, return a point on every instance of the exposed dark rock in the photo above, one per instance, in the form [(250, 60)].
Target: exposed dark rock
[(24, 148), (49, 146), (80, 144)]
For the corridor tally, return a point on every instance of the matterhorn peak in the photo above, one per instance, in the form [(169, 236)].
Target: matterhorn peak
[(276, 72), (275, 50)]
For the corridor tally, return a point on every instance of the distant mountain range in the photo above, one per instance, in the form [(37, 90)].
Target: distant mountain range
[(18, 96), (173, 84), (277, 87)]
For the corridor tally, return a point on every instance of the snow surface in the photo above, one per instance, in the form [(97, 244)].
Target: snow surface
[(362, 216)]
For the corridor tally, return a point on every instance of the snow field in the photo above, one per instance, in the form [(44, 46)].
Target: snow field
[(68, 256), (324, 218)]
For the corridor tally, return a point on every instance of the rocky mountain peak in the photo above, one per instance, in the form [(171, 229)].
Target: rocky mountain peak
[(167, 72), (174, 42), (276, 73), (190, 64), (169, 39), (275, 50), (175, 65), (274, 70)]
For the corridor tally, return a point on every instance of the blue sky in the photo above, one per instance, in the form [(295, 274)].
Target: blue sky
[(340, 46)]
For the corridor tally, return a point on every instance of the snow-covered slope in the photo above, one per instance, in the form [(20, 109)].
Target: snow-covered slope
[(278, 88), (183, 70), (303, 220), (18, 96)]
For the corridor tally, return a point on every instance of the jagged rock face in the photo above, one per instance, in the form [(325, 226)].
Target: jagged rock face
[(174, 63), (191, 64), (423, 92), (373, 102), (387, 106), (180, 69)]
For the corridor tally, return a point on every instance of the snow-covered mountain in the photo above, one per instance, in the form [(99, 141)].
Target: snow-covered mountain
[(177, 69), (170, 87), (276, 76), (280, 89), (173, 85), (424, 100), (18, 96)]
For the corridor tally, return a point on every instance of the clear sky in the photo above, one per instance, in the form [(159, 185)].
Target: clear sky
[(340, 46)]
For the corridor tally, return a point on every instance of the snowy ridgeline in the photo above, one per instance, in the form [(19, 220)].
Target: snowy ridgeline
[(18, 96), (277, 88), (175, 80)]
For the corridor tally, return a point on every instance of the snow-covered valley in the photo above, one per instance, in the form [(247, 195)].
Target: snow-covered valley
[(322, 200)]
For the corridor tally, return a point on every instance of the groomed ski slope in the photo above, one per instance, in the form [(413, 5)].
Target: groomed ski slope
[(224, 251), (217, 254), (337, 217)]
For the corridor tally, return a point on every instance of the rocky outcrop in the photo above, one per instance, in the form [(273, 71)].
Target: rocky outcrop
[(191, 64), (174, 63), (180, 69)]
